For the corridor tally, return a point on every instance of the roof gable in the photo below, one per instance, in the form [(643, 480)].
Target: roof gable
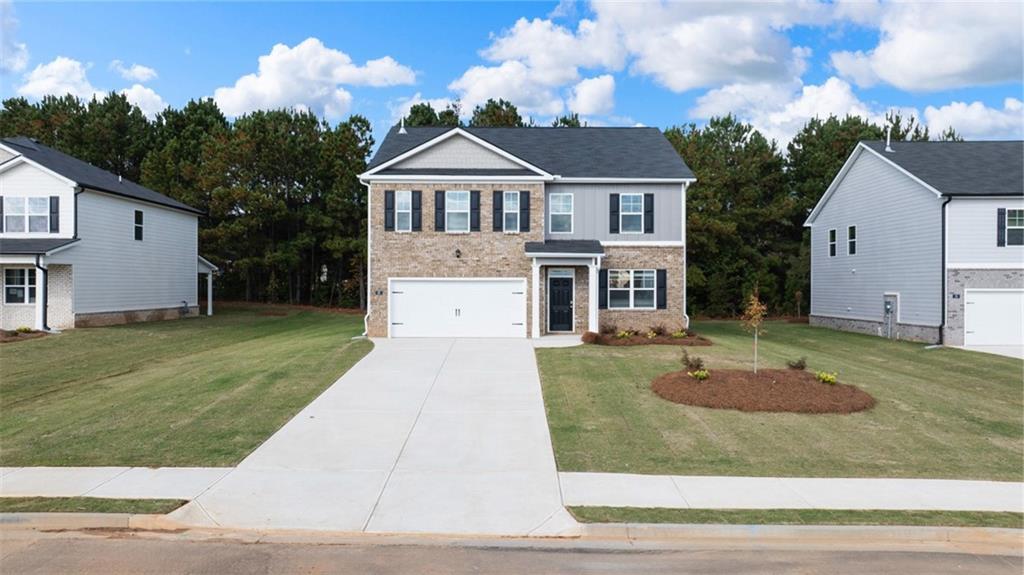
[(456, 152), (983, 168)]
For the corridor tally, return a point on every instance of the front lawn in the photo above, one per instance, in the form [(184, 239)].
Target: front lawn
[(195, 392), (941, 413)]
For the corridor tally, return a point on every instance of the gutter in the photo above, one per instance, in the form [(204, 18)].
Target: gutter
[(46, 293), (942, 322)]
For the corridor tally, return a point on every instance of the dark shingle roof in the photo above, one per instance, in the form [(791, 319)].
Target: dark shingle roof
[(565, 247), (88, 175), (32, 246), (989, 168), (566, 152)]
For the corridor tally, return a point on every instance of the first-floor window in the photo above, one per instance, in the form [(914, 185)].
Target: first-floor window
[(631, 289), (19, 285), (403, 211), (456, 211), (631, 213), (26, 214), (851, 240), (510, 211), (831, 243), (1015, 227)]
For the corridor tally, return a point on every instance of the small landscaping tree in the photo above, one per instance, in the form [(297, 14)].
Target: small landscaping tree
[(753, 317)]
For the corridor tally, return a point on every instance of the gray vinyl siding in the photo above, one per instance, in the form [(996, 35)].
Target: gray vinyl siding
[(591, 215), (972, 233), (457, 152), (114, 272), (899, 247)]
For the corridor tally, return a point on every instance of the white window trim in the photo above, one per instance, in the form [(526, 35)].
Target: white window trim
[(833, 238), (505, 210), (409, 211), (631, 289), (1007, 227), (570, 213), (467, 211), (555, 273), (137, 226), (27, 285), (28, 213), (622, 212), (854, 240)]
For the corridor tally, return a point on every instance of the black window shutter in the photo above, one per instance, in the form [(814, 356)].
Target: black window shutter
[(54, 214), (439, 210), (474, 211), (1, 213), (498, 202), (602, 289), (389, 210), (661, 281), (417, 210), (648, 213), (524, 211), (613, 214), (1001, 227)]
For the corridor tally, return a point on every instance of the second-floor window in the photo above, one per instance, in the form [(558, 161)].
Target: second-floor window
[(851, 240), (510, 211), (403, 211), (456, 211), (631, 213), (1015, 227), (560, 206), (138, 225), (26, 214), (831, 243)]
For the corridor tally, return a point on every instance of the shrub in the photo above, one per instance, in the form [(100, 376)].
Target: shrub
[(24, 329), (624, 334), (699, 375), (609, 329), (659, 330), (826, 377), (679, 334), (692, 362), (591, 337), (798, 364)]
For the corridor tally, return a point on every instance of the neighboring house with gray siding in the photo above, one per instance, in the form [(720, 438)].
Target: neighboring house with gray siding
[(923, 241), (523, 232), (80, 246)]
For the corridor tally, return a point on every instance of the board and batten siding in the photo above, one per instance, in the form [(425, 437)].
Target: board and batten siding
[(455, 153), (26, 180), (899, 247), (115, 272), (972, 233), (591, 211)]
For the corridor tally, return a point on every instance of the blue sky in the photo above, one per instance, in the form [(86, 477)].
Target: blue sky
[(774, 65)]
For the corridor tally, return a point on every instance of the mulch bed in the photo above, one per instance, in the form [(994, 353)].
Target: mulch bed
[(690, 339), (13, 336), (776, 390)]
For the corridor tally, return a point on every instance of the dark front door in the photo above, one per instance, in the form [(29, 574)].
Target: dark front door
[(560, 304)]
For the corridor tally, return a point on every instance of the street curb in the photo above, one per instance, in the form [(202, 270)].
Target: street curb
[(72, 521)]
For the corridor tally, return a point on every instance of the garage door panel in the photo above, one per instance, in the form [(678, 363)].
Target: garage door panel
[(994, 317), (458, 307)]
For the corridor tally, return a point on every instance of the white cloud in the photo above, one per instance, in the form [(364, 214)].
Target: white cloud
[(400, 107), (976, 121), (13, 54), (146, 99), (308, 76), (941, 45), (135, 72), (511, 81), (59, 77), (594, 96)]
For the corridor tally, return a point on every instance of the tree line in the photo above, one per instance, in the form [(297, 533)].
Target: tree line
[(285, 214)]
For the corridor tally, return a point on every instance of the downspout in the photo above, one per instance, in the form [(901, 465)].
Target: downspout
[(942, 324), (78, 192), (46, 292), (369, 244)]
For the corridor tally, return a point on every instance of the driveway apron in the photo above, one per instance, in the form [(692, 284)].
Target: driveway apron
[(421, 436)]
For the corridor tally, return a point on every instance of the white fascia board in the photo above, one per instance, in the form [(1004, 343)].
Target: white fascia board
[(207, 263), (62, 248), (450, 134), (23, 160), (562, 180), (439, 178), (18, 259), (640, 244), (542, 255)]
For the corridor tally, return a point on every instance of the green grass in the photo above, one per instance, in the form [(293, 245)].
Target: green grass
[(941, 413), (798, 517), (195, 392), (87, 505)]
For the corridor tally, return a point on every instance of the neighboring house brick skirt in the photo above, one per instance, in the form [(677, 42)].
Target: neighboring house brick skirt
[(668, 258), (902, 331), (957, 280), (134, 316), (60, 287)]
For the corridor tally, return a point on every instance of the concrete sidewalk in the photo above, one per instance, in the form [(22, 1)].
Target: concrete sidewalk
[(109, 482)]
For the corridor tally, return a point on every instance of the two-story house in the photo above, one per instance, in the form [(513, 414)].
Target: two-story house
[(80, 246), (923, 241), (522, 232)]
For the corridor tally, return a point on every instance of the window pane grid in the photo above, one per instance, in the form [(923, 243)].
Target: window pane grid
[(19, 285), (561, 213), (631, 289), (456, 208), (23, 214), (403, 211), (510, 211)]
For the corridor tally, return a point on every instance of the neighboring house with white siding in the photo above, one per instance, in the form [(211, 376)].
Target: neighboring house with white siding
[(80, 246), (923, 241)]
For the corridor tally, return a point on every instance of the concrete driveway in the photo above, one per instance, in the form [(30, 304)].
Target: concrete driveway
[(1014, 351), (422, 435)]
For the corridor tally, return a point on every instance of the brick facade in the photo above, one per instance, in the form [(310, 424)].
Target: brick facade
[(60, 313), (668, 258), (957, 280)]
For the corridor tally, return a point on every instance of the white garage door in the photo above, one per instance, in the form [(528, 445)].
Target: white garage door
[(994, 317), (458, 307)]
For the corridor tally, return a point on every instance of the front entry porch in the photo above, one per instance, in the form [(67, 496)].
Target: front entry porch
[(564, 286)]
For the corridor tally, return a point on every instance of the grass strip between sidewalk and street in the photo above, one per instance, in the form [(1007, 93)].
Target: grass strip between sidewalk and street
[(88, 505), (798, 517)]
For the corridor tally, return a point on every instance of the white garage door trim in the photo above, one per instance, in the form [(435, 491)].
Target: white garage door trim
[(518, 285), (967, 310)]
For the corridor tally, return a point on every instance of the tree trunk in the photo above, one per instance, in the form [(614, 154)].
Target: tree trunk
[(755, 351)]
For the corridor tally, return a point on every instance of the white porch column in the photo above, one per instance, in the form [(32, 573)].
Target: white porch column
[(209, 293), (535, 300), (592, 285), (40, 297)]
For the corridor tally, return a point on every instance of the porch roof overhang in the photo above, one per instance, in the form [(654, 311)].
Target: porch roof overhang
[(33, 246), (565, 249)]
